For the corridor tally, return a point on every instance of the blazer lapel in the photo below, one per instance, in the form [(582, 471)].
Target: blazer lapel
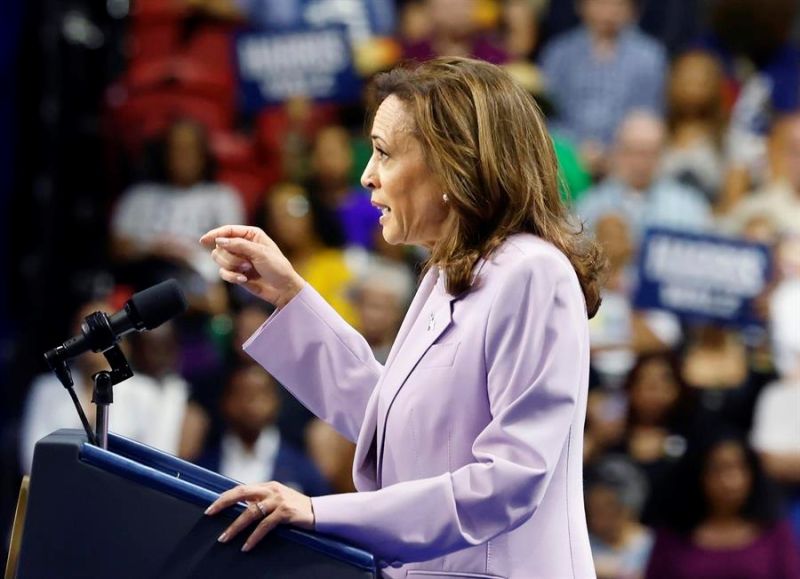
[(425, 287), (365, 462), (406, 358), (366, 459)]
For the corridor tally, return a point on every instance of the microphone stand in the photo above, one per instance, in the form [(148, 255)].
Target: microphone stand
[(103, 394)]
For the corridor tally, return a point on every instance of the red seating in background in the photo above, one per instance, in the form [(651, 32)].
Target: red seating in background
[(182, 74), (182, 66), (138, 117), (241, 166), (154, 28)]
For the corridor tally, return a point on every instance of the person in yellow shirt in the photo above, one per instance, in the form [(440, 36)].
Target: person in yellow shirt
[(311, 241)]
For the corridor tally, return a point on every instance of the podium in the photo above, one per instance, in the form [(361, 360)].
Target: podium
[(134, 512)]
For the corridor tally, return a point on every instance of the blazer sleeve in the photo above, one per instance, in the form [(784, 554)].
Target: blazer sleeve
[(536, 336), (320, 359)]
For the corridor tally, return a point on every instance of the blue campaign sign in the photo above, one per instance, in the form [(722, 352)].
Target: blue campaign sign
[(316, 63), (702, 277), (362, 18)]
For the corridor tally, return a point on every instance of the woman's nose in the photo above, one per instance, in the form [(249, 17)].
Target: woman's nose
[(368, 179)]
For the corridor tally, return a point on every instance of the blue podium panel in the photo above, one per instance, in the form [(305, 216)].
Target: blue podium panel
[(134, 512)]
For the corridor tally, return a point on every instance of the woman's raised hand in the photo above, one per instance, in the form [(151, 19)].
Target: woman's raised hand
[(248, 257)]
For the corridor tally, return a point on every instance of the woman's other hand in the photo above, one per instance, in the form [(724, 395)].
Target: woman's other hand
[(248, 257), (270, 504)]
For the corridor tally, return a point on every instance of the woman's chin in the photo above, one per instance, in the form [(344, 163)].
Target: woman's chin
[(390, 235)]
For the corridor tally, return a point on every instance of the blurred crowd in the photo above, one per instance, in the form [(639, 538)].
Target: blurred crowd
[(681, 115)]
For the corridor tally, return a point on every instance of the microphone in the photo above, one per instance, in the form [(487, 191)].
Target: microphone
[(145, 310)]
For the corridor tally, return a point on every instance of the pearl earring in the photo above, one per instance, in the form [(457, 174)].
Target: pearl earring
[(445, 198)]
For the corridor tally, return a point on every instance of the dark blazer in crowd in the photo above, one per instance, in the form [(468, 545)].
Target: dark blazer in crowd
[(291, 468)]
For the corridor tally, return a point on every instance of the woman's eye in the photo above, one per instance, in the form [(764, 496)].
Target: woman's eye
[(381, 153)]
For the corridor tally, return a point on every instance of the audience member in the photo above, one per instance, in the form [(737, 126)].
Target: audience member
[(779, 200), (716, 366), (293, 417), (776, 437), (721, 520), (455, 31), (634, 190), (251, 448), (615, 494), (49, 407), (599, 73), (520, 27), (606, 411), (181, 424), (331, 168), (414, 23), (696, 121), (155, 225), (381, 295), (311, 240), (776, 422), (332, 453), (751, 37), (618, 332), (658, 418)]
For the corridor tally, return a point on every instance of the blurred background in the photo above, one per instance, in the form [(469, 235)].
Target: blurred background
[(130, 127)]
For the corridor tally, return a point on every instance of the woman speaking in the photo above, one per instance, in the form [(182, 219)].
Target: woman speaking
[(469, 439)]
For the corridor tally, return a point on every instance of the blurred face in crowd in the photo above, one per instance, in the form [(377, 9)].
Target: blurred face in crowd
[(404, 188), (332, 157), (695, 84), (247, 321), (606, 18), (654, 393), (380, 312), (185, 155), (454, 18), (727, 479), (251, 402), (790, 157), (613, 233), (606, 515), (520, 20), (156, 351), (289, 217), (638, 149), (760, 229), (415, 24)]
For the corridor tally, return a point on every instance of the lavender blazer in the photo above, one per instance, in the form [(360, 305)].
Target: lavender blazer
[(469, 440)]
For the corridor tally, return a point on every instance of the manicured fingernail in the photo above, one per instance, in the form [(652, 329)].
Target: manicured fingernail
[(209, 510), (245, 267), (241, 278), (245, 548), (223, 241), (223, 537)]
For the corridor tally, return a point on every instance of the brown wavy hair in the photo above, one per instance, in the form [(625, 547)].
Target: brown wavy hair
[(485, 138)]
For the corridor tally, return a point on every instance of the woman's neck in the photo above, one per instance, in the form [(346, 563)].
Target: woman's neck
[(725, 531)]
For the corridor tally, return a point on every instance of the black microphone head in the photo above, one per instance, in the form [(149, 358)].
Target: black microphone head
[(152, 307)]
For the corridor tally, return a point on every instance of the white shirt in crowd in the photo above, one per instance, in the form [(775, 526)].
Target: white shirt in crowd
[(241, 464), (776, 422), (150, 210), (145, 410), (49, 408)]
